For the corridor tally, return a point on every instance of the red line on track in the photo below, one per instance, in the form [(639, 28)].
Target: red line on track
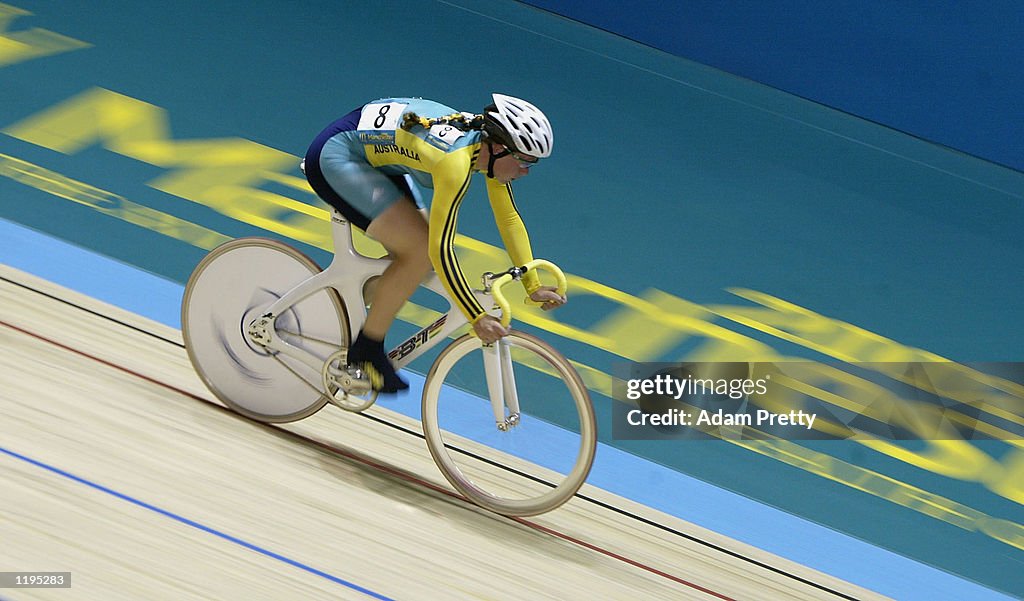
[(379, 466)]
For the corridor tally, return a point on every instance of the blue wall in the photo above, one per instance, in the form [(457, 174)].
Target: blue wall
[(948, 72)]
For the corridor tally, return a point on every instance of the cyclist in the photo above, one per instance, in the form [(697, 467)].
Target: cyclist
[(367, 166)]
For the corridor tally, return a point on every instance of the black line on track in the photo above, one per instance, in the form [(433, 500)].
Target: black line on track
[(90, 311)]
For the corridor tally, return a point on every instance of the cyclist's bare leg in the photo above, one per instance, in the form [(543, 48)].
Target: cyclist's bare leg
[(402, 230)]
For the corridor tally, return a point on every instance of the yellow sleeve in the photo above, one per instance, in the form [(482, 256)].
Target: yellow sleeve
[(451, 177), (512, 229)]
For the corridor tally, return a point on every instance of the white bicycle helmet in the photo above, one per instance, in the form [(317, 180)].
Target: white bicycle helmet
[(521, 124)]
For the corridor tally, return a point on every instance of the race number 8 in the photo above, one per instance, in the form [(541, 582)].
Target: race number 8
[(381, 116)]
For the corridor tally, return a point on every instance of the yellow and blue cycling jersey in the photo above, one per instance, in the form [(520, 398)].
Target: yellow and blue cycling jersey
[(361, 165)]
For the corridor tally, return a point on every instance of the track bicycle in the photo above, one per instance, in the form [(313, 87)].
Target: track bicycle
[(510, 425)]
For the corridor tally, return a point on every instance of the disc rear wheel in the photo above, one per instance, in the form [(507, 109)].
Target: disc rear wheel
[(233, 285)]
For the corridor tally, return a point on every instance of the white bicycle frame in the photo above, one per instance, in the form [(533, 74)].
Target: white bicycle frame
[(349, 272)]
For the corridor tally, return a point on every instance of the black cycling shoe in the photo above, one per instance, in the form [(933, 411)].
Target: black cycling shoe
[(368, 355)]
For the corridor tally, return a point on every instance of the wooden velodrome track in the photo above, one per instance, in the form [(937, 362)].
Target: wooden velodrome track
[(117, 466)]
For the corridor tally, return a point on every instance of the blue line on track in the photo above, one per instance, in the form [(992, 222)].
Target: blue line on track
[(197, 525)]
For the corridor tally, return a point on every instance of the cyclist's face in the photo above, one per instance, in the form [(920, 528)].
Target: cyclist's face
[(512, 166)]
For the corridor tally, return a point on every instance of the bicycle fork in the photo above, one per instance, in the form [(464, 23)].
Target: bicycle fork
[(501, 384)]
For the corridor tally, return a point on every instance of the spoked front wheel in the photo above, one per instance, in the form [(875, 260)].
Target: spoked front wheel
[(531, 465), (232, 286)]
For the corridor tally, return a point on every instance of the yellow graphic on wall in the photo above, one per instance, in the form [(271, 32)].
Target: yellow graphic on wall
[(21, 46)]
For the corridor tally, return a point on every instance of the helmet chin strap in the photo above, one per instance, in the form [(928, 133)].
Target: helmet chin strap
[(491, 157)]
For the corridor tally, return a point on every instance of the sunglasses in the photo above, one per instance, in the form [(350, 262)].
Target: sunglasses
[(525, 161)]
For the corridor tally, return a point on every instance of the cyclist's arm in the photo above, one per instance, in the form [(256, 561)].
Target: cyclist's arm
[(451, 180), (512, 229)]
